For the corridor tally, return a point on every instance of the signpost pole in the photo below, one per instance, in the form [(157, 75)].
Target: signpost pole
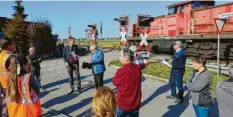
[(218, 55), (220, 25)]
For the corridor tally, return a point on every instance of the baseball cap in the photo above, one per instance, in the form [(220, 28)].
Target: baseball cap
[(178, 43)]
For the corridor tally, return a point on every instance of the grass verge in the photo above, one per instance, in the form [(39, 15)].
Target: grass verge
[(162, 71)]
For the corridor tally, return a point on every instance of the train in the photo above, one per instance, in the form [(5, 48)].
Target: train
[(191, 22)]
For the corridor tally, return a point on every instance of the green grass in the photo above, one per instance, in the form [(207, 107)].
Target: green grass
[(162, 71)]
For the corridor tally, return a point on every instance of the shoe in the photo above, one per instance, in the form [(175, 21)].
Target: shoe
[(179, 101), (180, 98), (71, 91), (79, 88), (172, 97)]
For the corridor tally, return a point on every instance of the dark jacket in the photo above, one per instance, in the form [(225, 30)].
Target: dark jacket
[(67, 56), (128, 82), (178, 61), (97, 60), (200, 86), (224, 95), (34, 60)]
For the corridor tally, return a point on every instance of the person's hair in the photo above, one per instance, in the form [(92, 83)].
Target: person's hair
[(6, 43), (12, 89), (30, 49), (104, 102), (200, 60), (129, 54)]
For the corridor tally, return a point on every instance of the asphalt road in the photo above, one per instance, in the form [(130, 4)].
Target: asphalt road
[(56, 102)]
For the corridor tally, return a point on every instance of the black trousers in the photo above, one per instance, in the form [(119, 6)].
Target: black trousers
[(99, 81), (77, 76)]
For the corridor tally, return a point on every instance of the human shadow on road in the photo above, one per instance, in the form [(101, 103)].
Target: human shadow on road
[(84, 102), (46, 92), (159, 91), (77, 106), (59, 82), (177, 109), (86, 113), (53, 113)]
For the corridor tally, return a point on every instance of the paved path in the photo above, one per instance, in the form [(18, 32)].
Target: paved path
[(57, 103)]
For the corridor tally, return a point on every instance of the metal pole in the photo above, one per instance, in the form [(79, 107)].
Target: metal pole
[(79, 41), (218, 56)]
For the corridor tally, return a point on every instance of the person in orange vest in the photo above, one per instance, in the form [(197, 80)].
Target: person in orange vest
[(7, 49), (22, 95)]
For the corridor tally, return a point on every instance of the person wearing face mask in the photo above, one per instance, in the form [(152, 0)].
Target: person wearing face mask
[(224, 95), (199, 84), (22, 91)]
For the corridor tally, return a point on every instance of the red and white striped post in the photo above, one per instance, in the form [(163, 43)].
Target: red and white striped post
[(123, 36), (144, 37)]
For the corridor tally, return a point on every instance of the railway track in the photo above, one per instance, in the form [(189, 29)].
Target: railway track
[(211, 64)]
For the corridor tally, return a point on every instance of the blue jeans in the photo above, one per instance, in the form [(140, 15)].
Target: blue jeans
[(122, 113), (36, 74), (201, 111), (176, 80)]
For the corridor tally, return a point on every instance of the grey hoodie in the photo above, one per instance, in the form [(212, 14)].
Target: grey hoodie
[(224, 95)]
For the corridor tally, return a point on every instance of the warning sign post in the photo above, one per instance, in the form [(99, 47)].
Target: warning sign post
[(219, 24)]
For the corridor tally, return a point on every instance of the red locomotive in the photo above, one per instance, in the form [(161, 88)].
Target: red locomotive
[(191, 22)]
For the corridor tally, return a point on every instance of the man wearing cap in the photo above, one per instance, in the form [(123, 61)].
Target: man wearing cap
[(70, 56), (177, 72)]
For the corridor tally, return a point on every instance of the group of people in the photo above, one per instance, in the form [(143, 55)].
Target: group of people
[(128, 82), (20, 81), (71, 59)]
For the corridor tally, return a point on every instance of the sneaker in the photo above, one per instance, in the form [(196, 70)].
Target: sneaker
[(172, 97)]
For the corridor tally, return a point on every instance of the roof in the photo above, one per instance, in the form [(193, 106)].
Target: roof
[(179, 3), (230, 3), (185, 2)]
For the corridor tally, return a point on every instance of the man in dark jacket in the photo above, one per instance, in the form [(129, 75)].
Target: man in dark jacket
[(224, 95), (177, 72), (128, 82), (70, 56), (34, 60)]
